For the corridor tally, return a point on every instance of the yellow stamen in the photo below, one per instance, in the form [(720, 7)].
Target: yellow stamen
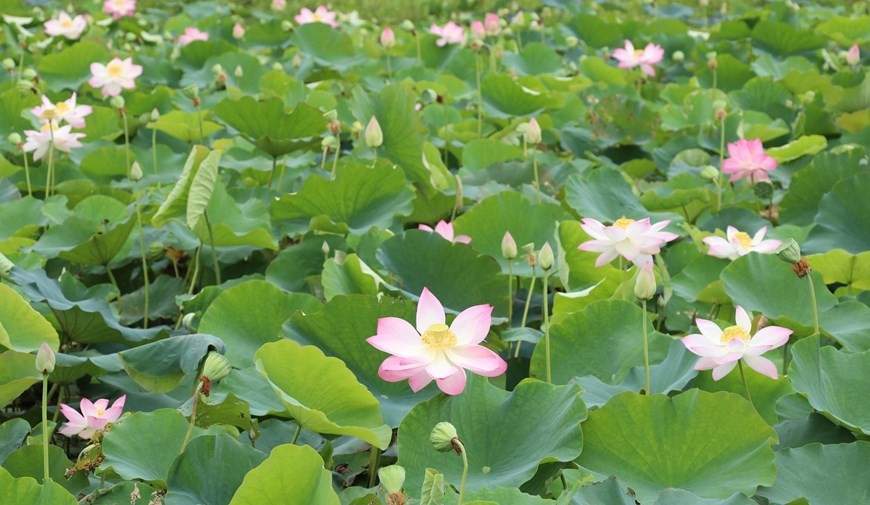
[(115, 70), (100, 412), (61, 108), (66, 23), (438, 337), (732, 332), (623, 222), (743, 239)]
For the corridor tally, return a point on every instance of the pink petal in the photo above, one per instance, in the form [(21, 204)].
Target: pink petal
[(478, 359), (88, 408), (709, 329), (759, 235), (397, 336), (596, 245), (429, 311), (419, 381), (702, 346), (462, 239), (723, 370), (72, 415), (742, 318), (593, 228), (472, 325), (767, 246), (425, 227), (454, 383), (706, 364), (440, 367), (762, 366), (770, 337), (395, 369), (444, 229), (606, 257)]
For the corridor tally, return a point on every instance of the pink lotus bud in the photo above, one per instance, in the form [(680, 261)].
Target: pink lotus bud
[(492, 24), (478, 32), (45, 359), (238, 31), (853, 57), (388, 38)]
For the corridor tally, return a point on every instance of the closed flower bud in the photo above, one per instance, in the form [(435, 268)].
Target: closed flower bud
[(238, 31), (763, 190), (14, 138), (789, 251), (388, 38), (442, 436), (8, 64), (533, 133), (508, 246), (136, 171), (277, 66), (710, 173), (191, 91), (155, 114), (117, 102), (571, 41), (678, 56), (216, 366), (645, 284), (545, 257), (45, 359), (392, 478), (374, 135)]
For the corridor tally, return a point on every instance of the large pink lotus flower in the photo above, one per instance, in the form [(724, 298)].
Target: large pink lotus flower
[(445, 229), (119, 8), (434, 350), (62, 111), (320, 15), (720, 350), (190, 34), (747, 158), (451, 33), (629, 57), (117, 75), (492, 24), (40, 141), (66, 26), (636, 241), (739, 243), (93, 418)]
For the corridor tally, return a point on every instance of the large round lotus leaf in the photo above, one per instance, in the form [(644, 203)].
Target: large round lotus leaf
[(22, 328), (843, 220), (291, 475), (801, 202), (17, 374), (510, 495), (457, 275), (28, 462), (605, 195), (504, 97), (327, 46), (161, 366), (12, 434), (71, 67), (267, 125), (487, 222), (850, 271), (711, 444), (359, 198), (298, 375), (210, 470), (248, 315), (838, 473), (784, 39), (765, 391), (340, 330), (27, 490), (605, 340), (144, 444), (764, 283), (681, 497), (836, 383), (501, 431)]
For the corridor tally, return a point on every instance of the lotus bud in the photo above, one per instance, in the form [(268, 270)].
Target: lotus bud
[(238, 31), (217, 68), (508, 246), (130, 36), (324, 248), (853, 56), (545, 257), (407, 25), (155, 114), (191, 91), (678, 56), (392, 478), (14, 138), (533, 133), (277, 66), (297, 60), (216, 366), (763, 190), (645, 284), (330, 142), (789, 251), (8, 64), (703, 3), (29, 74), (45, 359), (286, 25), (239, 72), (117, 102), (136, 172), (571, 41), (442, 437), (388, 38), (710, 173), (374, 135)]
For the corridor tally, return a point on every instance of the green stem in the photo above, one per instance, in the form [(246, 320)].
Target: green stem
[(323, 159), (214, 258), (510, 293), (335, 164), (743, 378), (59, 400), (526, 310), (27, 175), (389, 67), (154, 149), (419, 51), (547, 327), (49, 174), (283, 170), (296, 434), (199, 118), (126, 140), (144, 263), (537, 179), (115, 284), (274, 169), (479, 96), (714, 78), (721, 175), (195, 275), (45, 427), (192, 417), (645, 349), (374, 460), (464, 470), (816, 330), (375, 160)]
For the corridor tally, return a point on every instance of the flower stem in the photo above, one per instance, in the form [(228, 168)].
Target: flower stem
[(192, 416), (335, 162), (510, 293), (49, 175), (195, 275), (214, 258), (721, 162), (45, 427), (126, 140), (745, 385), (526, 310), (274, 169), (144, 263), (374, 460), (296, 434), (115, 284), (537, 178), (479, 96), (456, 441), (154, 149), (27, 175), (816, 330), (645, 349), (547, 328)]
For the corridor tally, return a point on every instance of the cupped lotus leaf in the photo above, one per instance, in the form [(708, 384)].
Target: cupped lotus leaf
[(298, 374), (848, 323), (161, 366), (358, 199), (482, 153), (12, 435), (28, 462), (269, 127), (295, 263), (604, 339), (605, 195), (783, 39), (711, 444), (248, 315), (843, 220), (456, 274), (17, 373), (328, 47), (22, 328), (500, 431), (340, 330), (803, 146), (808, 185), (227, 461), (291, 475), (504, 97), (186, 126), (836, 473), (202, 188), (508, 211), (176, 204), (349, 276), (835, 382), (764, 283), (143, 445), (234, 224), (71, 67), (851, 271), (27, 490)]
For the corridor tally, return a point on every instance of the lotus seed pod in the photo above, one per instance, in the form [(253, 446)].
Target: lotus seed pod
[(789, 251), (14, 138), (442, 436), (117, 102), (763, 190), (216, 366), (392, 478), (710, 172)]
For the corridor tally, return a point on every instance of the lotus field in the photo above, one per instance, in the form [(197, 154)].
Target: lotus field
[(435, 253)]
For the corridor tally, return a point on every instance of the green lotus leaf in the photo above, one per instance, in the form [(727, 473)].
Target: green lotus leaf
[(161, 366), (328, 47), (350, 276), (176, 204), (12, 435), (17, 374), (27, 490), (69, 68), (269, 127), (291, 475), (504, 97), (22, 328), (801, 202), (28, 462), (186, 126), (807, 144), (843, 220), (605, 195), (783, 39), (480, 154), (534, 59)]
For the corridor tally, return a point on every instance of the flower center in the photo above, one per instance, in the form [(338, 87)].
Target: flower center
[(49, 126), (638, 53), (438, 337), (61, 108), (66, 23), (623, 222), (115, 70), (317, 17), (732, 332), (100, 412), (743, 239)]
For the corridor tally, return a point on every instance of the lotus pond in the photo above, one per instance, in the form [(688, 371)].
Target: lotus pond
[(609, 252)]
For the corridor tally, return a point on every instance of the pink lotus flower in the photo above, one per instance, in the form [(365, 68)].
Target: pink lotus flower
[(853, 56), (720, 350), (66, 26), (434, 350), (492, 24), (478, 32), (117, 75), (636, 241), (93, 418), (40, 141), (451, 33), (629, 57), (119, 8), (747, 158), (190, 34), (62, 111), (388, 38), (739, 243), (445, 229), (320, 15), (238, 31), (279, 5)]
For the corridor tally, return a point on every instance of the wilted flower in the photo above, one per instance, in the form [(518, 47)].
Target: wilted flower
[(117, 75), (492, 24), (119, 8), (94, 416), (190, 34), (238, 31), (739, 243), (66, 26), (435, 350), (388, 38), (451, 33), (636, 241), (445, 229), (40, 141), (747, 158), (62, 111), (720, 350), (629, 57), (853, 56), (320, 15)]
